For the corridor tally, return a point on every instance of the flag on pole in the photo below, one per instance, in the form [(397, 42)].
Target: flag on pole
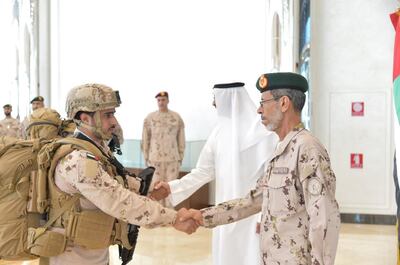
[(396, 63), (395, 17)]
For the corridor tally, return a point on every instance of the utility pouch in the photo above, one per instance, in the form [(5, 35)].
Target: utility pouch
[(47, 243), (90, 229)]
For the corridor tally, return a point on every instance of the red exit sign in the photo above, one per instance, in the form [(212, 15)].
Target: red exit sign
[(356, 160)]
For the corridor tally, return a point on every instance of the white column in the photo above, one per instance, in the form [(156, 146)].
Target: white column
[(44, 50)]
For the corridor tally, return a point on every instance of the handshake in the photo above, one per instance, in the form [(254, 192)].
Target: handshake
[(161, 191), (186, 220)]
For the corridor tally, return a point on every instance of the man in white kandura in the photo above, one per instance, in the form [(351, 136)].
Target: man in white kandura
[(235, 155)]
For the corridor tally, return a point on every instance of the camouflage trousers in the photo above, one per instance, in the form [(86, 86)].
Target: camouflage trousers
[(165, 171)]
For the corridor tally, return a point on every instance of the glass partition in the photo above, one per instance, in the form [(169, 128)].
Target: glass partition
[(132, 155)]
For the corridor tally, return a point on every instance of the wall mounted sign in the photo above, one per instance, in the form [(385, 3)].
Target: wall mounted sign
[(356, 160), (357, 108)]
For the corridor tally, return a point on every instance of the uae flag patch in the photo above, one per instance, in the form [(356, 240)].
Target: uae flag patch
[(93, 157)]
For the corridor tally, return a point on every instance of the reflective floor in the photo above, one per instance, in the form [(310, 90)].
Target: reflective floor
[(358, 244)]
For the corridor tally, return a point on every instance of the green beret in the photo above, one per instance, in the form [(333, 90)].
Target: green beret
[(38, 98), (271, 81), (7, 106), (162, 94)]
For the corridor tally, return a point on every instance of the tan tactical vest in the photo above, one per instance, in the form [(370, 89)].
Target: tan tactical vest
[(91, 229)]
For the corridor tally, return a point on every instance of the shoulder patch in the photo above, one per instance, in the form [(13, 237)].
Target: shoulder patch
[(314, 186)]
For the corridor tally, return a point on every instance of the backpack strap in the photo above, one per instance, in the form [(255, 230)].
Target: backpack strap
[(47, 160), (40, 123), (37, 144), (85, 145)]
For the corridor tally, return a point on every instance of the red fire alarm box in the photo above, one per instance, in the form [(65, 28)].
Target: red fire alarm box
[(356, 160), (357, 108)]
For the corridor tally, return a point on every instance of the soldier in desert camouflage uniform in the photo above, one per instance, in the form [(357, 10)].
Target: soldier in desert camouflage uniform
[(163, 141), (92, 106), (300, 215), (9, 126)]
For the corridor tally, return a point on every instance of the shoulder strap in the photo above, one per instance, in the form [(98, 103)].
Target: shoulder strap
[(85, 145), (48, 160)]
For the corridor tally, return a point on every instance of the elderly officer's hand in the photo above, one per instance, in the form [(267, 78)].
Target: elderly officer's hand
[(197, 216), (161, 191), (194, 214), (184, 221)]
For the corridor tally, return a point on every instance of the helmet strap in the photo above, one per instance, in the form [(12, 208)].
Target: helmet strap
[(97, 129)]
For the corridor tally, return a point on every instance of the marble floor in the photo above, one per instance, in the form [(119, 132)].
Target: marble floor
[(358, 244)]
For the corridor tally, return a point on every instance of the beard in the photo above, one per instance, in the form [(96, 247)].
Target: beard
[(274, 121)]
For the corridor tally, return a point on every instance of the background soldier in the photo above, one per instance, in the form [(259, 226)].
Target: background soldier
[(163, 141), (37, 103), (9, 126)]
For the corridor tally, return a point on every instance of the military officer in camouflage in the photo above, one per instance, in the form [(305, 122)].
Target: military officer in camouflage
[(163, 141), (92, 106), (9, 126), (300, 216)]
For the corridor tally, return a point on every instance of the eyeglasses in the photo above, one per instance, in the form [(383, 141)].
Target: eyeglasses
[(267, 100)]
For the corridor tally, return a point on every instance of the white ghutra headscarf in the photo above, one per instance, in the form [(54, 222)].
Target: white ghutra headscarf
[(244, 145)]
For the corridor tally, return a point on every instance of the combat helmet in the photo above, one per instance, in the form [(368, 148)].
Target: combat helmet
[(91, 98)]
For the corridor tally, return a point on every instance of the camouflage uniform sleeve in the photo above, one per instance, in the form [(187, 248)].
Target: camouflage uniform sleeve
[(88, 177), (146, 137), (181, 138), (234, 210), (319, 182), (133, 184)]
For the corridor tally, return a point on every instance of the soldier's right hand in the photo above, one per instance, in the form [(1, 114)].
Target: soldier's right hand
[(161, 191)]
